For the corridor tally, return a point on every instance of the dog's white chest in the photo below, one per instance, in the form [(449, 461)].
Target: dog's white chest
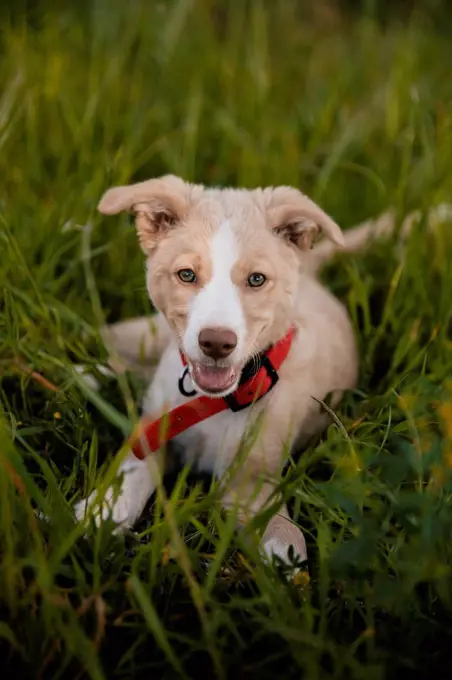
[(210, 445)]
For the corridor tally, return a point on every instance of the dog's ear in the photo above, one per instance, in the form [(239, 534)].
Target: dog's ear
[(298, 220), (158, 204)]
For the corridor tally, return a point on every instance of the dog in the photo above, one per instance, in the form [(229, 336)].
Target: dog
[(232, 273)]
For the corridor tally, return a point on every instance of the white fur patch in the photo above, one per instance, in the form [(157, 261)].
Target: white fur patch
[(278, 547), (218, 303)]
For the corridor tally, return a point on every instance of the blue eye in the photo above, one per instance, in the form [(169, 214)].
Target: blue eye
[(187, 275), (256, 280)]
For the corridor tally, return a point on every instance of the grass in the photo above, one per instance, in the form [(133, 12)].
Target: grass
[(357, 113)]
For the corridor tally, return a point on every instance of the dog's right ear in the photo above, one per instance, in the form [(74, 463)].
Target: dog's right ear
[(158, 204)]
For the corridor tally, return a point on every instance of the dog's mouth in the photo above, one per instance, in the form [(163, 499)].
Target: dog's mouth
[(217, 380)]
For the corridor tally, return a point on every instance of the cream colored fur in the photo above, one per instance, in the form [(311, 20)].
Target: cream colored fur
[(268, 231)]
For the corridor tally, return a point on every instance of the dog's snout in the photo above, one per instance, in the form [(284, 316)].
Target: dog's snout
[(217, 343)]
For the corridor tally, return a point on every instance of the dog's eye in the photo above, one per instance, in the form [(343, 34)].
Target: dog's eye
[(187, 275), (255, 280)]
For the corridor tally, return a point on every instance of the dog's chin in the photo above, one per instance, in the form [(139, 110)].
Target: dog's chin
[(214, 381)]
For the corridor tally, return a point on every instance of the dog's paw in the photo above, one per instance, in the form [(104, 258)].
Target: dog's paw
[(290, 556), (287, 553), (118, 509)]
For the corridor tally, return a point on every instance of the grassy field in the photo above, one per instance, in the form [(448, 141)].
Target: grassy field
[(356, 112)]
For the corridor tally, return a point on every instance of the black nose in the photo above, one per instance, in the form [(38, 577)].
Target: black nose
[(217, 343)]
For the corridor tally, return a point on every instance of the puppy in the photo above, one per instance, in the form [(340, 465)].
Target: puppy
[(232, 275)]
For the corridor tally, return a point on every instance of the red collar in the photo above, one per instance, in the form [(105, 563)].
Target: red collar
[(253, 386)]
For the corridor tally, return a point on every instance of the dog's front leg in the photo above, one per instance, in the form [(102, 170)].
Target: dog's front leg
[(281, 535), (251, 490), (124, 502)]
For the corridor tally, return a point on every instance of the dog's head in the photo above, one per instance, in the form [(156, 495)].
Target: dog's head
[(223, 266)]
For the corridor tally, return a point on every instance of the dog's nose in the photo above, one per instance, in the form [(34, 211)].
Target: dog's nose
[(217, 343)]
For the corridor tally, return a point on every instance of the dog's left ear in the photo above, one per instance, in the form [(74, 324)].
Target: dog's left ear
[(298, 220)]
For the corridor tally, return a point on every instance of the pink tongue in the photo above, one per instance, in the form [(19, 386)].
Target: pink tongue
[(212, 378)]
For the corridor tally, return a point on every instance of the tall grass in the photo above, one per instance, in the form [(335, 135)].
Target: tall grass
[(356, 113)]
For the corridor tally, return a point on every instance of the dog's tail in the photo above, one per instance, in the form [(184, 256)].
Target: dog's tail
[(360, 237)]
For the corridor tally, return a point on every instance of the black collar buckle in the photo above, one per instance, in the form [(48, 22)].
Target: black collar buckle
[(234, 405)]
